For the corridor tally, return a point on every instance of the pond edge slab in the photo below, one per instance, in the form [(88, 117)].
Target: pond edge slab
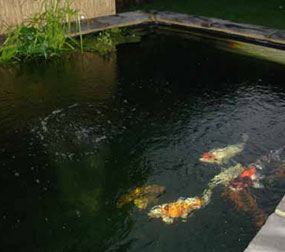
[(268, 36), (271, 237)]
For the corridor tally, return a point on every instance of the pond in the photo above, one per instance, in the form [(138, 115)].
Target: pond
[(79, 133)]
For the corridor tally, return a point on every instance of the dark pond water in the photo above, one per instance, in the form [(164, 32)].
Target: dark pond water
[(78, 133)]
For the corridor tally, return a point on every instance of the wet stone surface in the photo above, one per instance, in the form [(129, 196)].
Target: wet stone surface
[(281, 205), (171, 18), (184, 20), (271, 237)]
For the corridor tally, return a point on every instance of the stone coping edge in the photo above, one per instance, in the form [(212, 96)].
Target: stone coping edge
[(269, 36), (271, 237)]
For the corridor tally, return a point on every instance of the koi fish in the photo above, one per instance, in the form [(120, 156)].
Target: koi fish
[(178, 209), (252, 176), (142, 196), (245, 202), (248, 178), (223, 155), (239, 194), (226, 176)]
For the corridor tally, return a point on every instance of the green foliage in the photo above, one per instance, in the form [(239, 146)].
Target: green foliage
[(49, 34), (45, 35), (104, 43)]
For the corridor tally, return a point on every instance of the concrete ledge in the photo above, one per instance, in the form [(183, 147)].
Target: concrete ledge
[(119, 20), (252, 33), (271, 237), (281, 205), (223, 26)]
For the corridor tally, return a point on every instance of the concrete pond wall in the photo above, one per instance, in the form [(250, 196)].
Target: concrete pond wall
[(13, 12)]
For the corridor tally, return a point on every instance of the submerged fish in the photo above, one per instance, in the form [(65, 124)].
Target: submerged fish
[(248, 178), (245, 202), (178, 209), (226, 176), (142, 196), (223, 155), (260, 171)]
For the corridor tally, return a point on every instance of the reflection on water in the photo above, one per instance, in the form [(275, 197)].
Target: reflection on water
[(79, 133)]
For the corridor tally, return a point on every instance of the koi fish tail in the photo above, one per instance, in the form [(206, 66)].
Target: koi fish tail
[(207, 195), (260, 218)]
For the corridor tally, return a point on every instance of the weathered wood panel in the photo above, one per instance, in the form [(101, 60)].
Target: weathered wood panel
[(13, 12)]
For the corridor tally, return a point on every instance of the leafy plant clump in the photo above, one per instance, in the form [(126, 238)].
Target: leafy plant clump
[(105, 42), (45, 35)]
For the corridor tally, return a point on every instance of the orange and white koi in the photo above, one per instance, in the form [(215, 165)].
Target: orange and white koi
[(223, 155), (178, 209)]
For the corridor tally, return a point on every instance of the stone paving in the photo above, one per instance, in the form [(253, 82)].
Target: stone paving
[(206, 24), (268, 36), (271, 237)]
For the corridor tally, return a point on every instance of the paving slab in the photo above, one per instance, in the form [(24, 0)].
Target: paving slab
[(271, 237), (206, 24), (281, 205), (224, 26), (114, 21), (269, 36)]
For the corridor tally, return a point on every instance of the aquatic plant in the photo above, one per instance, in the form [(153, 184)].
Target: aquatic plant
[(45, 35), (105, 42)]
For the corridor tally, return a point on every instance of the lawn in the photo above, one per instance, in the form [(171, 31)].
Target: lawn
[(270, 13)]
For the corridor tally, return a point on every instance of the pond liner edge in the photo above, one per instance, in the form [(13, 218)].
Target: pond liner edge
[(254, 34), (268, 37)]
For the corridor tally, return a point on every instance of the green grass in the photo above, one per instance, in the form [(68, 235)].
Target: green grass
[(270, 13)]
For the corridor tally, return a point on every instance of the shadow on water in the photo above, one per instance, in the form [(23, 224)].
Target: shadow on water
[(78, 133)]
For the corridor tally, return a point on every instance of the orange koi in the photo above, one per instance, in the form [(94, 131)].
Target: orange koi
[(245, 202), (178, 209), (249, 173)]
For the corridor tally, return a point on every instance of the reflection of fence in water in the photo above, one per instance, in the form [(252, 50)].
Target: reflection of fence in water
[(13, 12)]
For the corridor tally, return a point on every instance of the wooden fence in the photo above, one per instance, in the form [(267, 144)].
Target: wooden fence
[(13, 12)]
